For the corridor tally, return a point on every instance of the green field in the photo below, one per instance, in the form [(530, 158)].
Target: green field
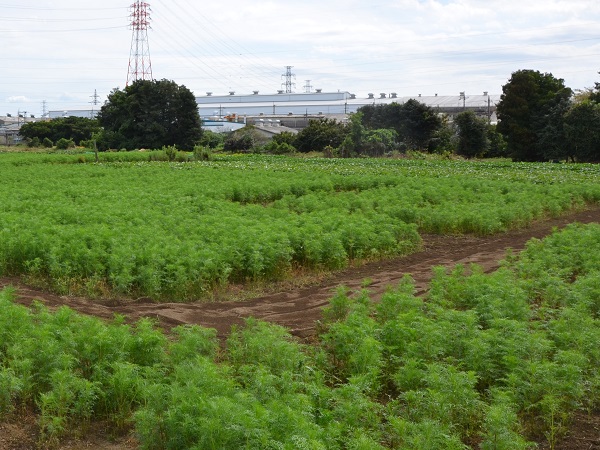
[(178, 230), (486, 361)]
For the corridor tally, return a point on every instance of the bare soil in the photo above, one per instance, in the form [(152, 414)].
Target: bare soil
[(298, 308)]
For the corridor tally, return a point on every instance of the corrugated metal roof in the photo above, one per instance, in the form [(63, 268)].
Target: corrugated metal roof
[(328, 103), (322, 104), (269, 98)]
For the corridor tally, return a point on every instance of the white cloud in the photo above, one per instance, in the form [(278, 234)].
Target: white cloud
[(406, 46), (18, 99)]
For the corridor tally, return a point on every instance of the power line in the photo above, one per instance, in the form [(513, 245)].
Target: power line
[(46, 20), (219, 47), (36, 8), (69, 30)]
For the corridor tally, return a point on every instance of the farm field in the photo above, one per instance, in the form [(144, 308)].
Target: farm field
[(522, 363), (371, 375), (129, 227)]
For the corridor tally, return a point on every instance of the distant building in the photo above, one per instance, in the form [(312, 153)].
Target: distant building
[(9, 129), (290, 109), (227, 112), (85, 113)]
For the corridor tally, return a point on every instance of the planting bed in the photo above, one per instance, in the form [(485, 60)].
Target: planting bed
[(298, 308), (433, 343)]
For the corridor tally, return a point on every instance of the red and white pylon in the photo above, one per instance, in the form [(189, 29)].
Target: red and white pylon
[(140, 67)]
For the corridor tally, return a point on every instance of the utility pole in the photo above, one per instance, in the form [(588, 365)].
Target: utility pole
[(140, 66), (21, 115), (489, 107), (463, 97), (288, 79)]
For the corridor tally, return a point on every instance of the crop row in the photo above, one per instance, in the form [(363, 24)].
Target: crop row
[(493, 360), (178, 230)]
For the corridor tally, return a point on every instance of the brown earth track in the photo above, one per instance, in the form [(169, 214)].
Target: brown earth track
[(299, 308)]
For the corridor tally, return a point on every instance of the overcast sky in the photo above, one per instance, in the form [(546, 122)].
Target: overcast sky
[(61, 51)]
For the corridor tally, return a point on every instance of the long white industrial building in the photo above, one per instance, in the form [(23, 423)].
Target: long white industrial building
[(330, 103), (336, 104)]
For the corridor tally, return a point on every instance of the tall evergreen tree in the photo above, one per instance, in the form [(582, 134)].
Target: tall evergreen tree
[(528, 100), (472, 134), (582, 128), (150, 114)]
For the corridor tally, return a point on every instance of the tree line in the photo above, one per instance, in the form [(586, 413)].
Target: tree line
[(544, 120), (539, 119), (146, 114)]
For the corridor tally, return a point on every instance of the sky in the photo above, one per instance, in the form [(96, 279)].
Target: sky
[(55, 55)]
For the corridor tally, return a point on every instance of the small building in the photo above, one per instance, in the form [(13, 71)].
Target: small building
[(9, 129)]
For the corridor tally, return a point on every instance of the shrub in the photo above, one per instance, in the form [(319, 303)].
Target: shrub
[(47, 143), (64, 144), (202, 153), (320, 134), (34, 142), (211, 139), (278, 148), (171, 152), (285, 137)]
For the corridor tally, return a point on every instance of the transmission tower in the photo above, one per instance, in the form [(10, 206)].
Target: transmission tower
[(95, 98), (95, 101), (140, 67), (308, 87), (44, 109), (288, 79)]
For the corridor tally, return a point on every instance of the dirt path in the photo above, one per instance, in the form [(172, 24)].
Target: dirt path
[(299, 308)]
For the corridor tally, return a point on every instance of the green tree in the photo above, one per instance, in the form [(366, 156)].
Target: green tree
[(378, 142), (594, 94), (553, 141), (528, 99), (582, 129), (472, 135), (320, 134), (497, 148), (150, 114), (444, 140), (76, 129), (355, 136), (419, 123), (415, 122), (211, 139), (361, 141)]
